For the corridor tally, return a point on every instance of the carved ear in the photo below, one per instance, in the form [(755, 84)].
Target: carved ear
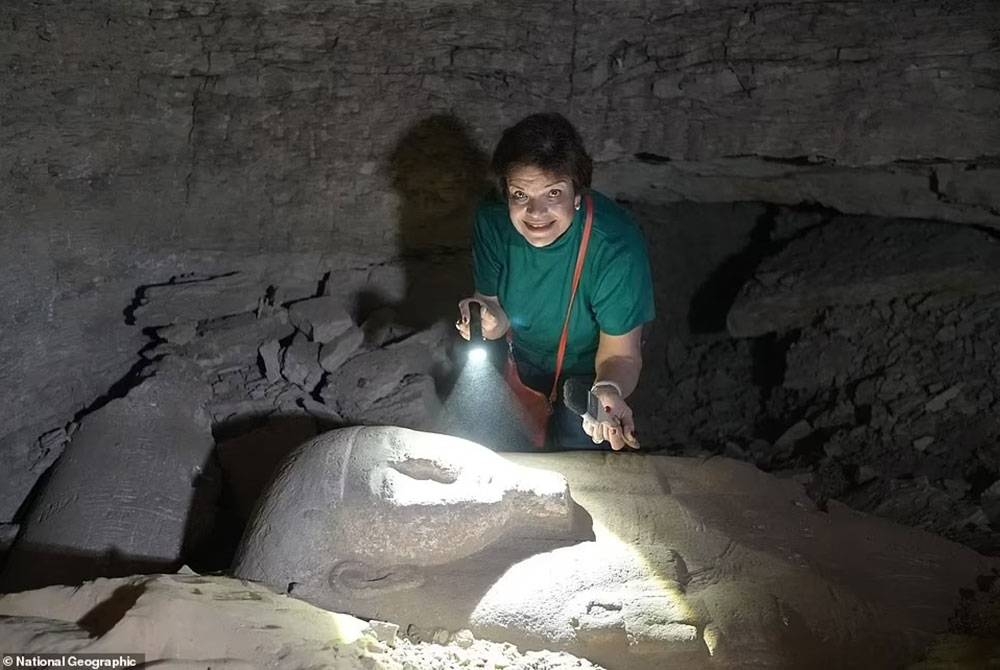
[(364, 580)]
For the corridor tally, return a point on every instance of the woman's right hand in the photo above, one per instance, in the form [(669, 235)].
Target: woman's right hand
[(491, 315)]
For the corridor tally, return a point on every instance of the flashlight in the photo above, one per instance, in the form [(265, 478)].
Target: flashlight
[(579, 396), (477, 348)]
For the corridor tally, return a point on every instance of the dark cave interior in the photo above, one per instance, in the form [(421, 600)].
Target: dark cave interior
[(229, 227)]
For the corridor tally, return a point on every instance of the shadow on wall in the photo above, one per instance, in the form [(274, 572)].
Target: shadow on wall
[(439, 175), (711, 302)]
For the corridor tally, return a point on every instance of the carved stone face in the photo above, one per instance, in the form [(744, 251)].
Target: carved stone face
[(357, 501), (431, 498)]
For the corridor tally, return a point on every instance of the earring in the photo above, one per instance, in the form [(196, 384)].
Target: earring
[(577, 207)]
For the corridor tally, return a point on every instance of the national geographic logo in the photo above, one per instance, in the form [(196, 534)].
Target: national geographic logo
[(87, 661)]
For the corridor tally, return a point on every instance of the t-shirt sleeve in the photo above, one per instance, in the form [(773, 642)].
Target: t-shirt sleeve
[(623, 294), (486, 250)]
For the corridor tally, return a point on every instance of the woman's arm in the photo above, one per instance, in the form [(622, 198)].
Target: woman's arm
[(618, 363), (619, 360)]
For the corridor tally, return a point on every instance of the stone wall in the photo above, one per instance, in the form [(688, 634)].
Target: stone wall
[(146, 142)]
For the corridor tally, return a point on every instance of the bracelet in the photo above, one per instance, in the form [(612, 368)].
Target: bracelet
[(612, 384)]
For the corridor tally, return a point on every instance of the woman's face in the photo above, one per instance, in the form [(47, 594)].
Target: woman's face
[(542, 204)]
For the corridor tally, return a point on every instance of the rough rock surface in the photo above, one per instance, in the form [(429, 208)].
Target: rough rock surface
[(667, 561), (62, 348), (258, 373), (94, 344), (133, 492), (922, 189), (267, 145), (190, 621), (871, 374), (858, 261), (321, 319), (260, 114)]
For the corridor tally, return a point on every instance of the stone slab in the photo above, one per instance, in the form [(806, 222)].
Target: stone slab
[(321, 319), (129, 493)]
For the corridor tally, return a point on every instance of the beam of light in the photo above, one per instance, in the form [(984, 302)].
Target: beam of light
[(481, 408), (600, 589), (607, 588), (639, 603), (617, 587)]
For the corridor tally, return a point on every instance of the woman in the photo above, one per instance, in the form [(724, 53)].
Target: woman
[(525, 251)]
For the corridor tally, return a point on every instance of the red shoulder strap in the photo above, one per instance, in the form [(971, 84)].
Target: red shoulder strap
[(580, 258)]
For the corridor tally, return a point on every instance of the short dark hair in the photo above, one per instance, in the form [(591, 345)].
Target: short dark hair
[(547, 141)]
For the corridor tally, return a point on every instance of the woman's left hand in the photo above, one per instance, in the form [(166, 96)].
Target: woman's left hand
[(619, 429)]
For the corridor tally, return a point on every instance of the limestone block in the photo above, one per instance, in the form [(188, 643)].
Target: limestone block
[(199, 299), (667, 562), (269, 355), (796, 432), (385, 631), (300, 363), (234, 341), (178, 333), (383, 326), (941, 400), (393, 380), (412, 404), (321, 319), (227, 411), (128, 493), (338, 349)]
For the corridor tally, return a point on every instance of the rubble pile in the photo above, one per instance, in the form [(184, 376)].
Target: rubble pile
[(264, 358), (865, 364)]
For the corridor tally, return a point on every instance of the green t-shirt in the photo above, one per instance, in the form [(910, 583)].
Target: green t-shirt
[(534, 284)]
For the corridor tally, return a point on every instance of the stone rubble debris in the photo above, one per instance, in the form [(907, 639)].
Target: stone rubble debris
[(340, 348), (882, 336), (321, 319), (300, 363), (270, 360)]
